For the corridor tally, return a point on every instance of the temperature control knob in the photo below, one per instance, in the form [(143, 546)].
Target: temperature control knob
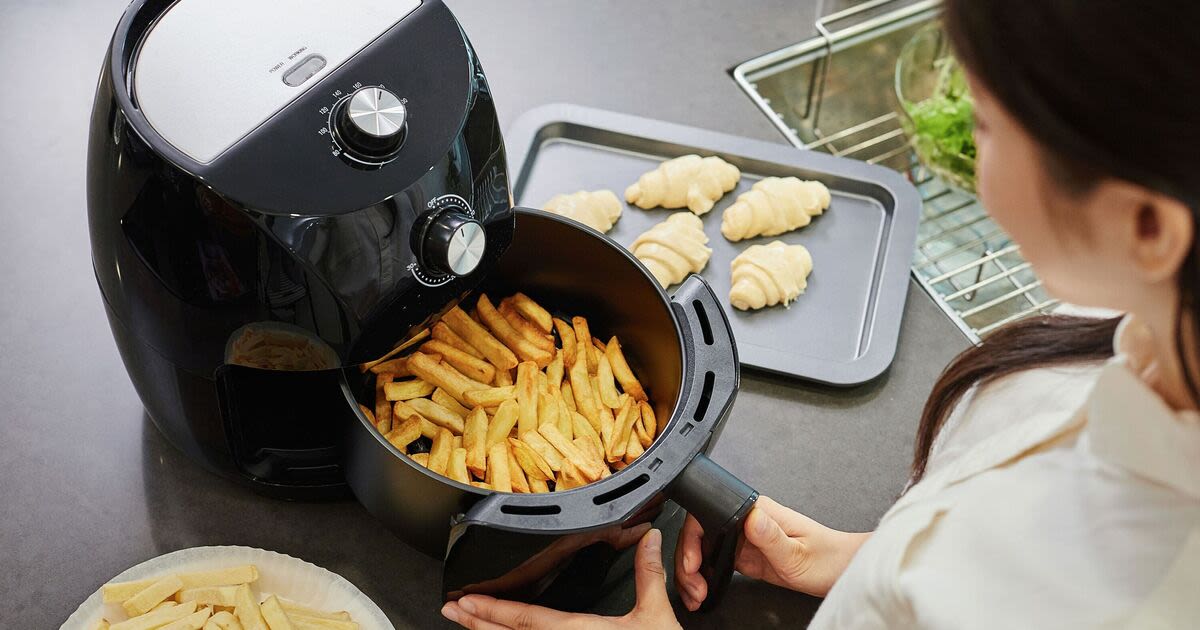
[(453, 243), (371, 124)]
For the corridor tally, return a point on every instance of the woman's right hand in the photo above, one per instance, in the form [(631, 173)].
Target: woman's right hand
[(780, 546)]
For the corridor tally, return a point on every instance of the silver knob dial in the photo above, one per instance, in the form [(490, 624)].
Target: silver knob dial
[(371, 124), (466, 248), (377, 112)]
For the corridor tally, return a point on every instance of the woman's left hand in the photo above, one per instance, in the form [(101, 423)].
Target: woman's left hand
[(653, 609)]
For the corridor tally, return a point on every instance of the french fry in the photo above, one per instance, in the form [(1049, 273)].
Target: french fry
[(581, 387), (588, 468), (608, 389), (168, 603), (566, 335), (497, 468), (608, 429), (457, 441), (457, 468), (584, 429), (407, 390), (304, 622), (568, 396), (443, 375), (116, 592), (564, 415), (446, 400), (634, 449), (645, 439), (527, 396), (229, 576), (500, 327), (368, 413), (538, 486), (503, 422), (532, 311), (471, 367), (588, 447), (539, 444), (482, 484), (535, 466), (437, 414), (247, 610), (491, 397), (547, 409), (404, 434), (444, 334), (599, 346), (569, 478), (157, 619), (397, 367), (629, 382), (554, 371), (619, 465), (194, 621), (293, 608), (383, 407), (648, 420), (583, 339), (504, 378), (623, 427), (152, 595), (406, 411), (439, 455), (209, 595), (527, 329), (475, 334), (475, 441), (276, 617), (421, 458), (517, 475)]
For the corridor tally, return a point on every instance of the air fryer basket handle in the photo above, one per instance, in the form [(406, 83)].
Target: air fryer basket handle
[(718, 500)]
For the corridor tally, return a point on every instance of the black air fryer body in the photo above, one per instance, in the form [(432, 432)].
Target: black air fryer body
[(233, 184)]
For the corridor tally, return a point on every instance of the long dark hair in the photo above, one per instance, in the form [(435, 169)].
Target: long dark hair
[(1108, 88)]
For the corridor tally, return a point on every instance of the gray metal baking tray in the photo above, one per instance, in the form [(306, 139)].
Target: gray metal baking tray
[(843, 329)]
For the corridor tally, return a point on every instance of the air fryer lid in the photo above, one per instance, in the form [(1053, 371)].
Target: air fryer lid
[(210, 71)]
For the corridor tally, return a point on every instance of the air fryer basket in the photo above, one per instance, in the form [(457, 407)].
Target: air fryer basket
[(682, 351)]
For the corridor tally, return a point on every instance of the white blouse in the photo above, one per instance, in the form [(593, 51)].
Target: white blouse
[(1054, 498)]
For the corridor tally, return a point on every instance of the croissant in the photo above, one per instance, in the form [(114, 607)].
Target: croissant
[(765, 275), (689, 181), (674, 248), (773, 206), (598, 210)]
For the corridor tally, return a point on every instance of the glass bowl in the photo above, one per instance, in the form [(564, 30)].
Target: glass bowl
[(936, 110)]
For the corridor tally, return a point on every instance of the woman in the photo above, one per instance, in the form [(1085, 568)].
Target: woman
[(1054, 485)]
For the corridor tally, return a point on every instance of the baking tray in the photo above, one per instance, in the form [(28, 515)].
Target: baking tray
[(843, 329)]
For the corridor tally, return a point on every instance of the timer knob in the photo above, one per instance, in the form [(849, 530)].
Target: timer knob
[(453, 243), (371, 123)]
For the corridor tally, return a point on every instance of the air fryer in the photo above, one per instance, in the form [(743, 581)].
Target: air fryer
[(277, 192)]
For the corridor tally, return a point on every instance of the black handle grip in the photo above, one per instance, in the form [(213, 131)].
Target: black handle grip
[(720, 502)]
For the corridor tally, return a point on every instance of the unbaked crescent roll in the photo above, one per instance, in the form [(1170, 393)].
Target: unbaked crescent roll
[(766, 275), (773, 206), (598, 209), (689, 181), (674, 248)]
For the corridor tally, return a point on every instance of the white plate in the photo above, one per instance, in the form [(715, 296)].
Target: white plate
[(279, 574)]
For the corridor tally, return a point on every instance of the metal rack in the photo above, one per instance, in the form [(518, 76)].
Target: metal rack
[(834, 93)]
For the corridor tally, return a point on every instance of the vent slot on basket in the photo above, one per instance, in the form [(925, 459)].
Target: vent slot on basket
[(705, 397), (531, 510), (630, 486), (705, 326)]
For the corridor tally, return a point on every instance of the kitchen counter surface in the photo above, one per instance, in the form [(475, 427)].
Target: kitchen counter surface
[(89, 487)]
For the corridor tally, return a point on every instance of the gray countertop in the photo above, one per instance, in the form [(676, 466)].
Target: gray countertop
[(88, 485)]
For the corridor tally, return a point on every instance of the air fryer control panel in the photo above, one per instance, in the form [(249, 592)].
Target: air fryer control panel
[(367, 126)]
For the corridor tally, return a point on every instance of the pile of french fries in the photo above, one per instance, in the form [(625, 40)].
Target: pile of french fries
[(222, 599), (514, 400)]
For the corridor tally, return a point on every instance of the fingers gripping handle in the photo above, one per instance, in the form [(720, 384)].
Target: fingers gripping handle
[(720, 502)]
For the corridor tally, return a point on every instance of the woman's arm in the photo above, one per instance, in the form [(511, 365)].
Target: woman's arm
[(781, 546)]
